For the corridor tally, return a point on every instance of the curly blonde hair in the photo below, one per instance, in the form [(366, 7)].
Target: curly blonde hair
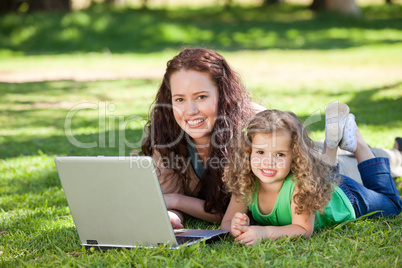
[(311, 176)]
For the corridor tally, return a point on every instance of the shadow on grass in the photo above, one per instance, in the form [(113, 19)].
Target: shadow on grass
[(42, 108), (14, 146), (35, 186), (368, 106), (65, 88), (38, 88), (372, 107), (144, 31), (383, 111)]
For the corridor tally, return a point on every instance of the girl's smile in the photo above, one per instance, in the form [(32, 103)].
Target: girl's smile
[(268, 172)]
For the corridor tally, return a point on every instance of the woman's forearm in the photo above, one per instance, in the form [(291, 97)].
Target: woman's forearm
[(195, 207)]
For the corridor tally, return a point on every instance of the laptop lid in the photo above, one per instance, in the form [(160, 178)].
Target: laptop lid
[(115, 201)]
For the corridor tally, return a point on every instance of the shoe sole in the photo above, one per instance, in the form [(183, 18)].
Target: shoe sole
[(335, 116), (349, 142)]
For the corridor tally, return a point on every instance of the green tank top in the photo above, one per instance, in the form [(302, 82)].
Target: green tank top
[(338, 210)]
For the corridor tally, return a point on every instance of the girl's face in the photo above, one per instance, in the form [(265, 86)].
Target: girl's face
[(271, 156), (195, 103)]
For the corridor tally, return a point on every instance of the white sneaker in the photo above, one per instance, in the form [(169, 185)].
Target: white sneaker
[(335, 119), (349, 141)]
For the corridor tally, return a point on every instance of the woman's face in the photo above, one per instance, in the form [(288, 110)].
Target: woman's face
[(195, 103)]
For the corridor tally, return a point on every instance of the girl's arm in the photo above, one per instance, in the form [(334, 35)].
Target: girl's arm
[(235, 216), (302, 224), (190, 205), (251, 234)]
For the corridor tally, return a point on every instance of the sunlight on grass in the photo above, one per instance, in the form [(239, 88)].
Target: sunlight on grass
[(359, 35), (134, 30), (290, 59), (79, 19)]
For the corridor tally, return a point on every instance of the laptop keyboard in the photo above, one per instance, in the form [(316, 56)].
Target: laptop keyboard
[(184, 239)]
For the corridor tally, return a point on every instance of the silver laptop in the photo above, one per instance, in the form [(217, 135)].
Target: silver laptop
[(117, 202)]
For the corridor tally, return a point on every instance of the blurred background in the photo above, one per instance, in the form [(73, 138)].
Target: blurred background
[(294, 55), (77, 77)]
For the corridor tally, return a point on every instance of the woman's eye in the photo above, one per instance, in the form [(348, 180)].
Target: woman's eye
[(202, 97)]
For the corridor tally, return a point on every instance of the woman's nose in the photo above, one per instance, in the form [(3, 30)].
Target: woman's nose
[(191, 108)]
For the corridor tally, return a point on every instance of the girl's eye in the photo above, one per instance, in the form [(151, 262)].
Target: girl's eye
[(260, 152), (280, 155), (179, 100), (201, 97)]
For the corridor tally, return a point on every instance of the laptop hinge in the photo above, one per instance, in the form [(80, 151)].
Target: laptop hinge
[(92, 242)]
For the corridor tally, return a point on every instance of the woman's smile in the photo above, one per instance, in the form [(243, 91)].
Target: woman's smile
[(194, 123), (195, 103)]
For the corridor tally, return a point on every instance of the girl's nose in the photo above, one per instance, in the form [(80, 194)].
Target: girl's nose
[(269, 160)]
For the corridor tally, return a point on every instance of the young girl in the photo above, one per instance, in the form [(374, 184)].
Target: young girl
[(278, 176)]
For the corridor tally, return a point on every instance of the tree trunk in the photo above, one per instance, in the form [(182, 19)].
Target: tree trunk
[(117, 2), (347, 7), (8, 6), (228, 3), (388, 1), (270, 2), (49, 5), (144, 4), (317, 5)]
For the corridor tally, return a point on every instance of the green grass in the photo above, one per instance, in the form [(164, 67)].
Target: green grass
[(355, 61), (144, 31)]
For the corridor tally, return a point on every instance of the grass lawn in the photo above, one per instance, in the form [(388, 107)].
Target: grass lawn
[(290, 59)]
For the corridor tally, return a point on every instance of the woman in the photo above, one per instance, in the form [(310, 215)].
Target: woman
[(199, 110), (200, 107)]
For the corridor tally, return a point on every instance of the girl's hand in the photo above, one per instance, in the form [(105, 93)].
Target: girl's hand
[(239, 219), (175, 220), (250, 234)]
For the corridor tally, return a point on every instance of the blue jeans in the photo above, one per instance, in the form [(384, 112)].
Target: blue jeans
[(378, 192)]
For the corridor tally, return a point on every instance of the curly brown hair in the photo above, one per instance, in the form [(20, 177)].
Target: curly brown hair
[(311, 176), (234, 110)]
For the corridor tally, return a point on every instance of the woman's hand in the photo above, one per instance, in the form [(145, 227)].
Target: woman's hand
[(189, 205), (239, 219), (175, 220), (171, 201)]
